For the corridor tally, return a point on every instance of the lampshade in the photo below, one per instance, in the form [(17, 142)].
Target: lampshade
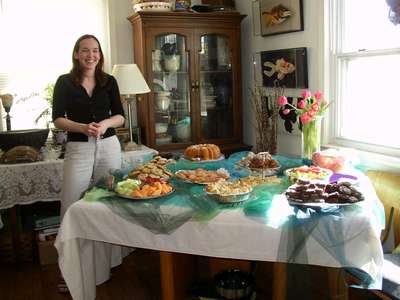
[(130, 79), (3, 82)]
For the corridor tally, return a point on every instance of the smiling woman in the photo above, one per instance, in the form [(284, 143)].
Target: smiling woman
[(41, 50)]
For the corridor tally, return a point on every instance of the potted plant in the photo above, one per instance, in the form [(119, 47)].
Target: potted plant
[(59, 136), (171, 57)]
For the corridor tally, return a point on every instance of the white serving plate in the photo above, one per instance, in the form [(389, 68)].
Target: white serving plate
[(198, 160)]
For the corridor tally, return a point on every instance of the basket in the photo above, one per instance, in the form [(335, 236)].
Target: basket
[(35, 138), (152, 6)]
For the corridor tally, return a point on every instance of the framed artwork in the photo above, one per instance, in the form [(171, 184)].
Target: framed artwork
[(281, 16), (285, 68)]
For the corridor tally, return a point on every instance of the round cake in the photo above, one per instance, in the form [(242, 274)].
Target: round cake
[(203, 152)]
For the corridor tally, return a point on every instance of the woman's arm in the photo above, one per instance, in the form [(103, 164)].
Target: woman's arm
[(68, 125), (113, 121)]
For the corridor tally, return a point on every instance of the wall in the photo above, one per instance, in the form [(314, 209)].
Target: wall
[(311, 37)]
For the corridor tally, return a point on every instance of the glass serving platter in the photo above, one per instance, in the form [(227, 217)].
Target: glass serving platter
[(144, 198), (261, 172), (293, 175), (194, 181)]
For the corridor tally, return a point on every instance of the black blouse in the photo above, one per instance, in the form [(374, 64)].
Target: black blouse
[(71, 101)]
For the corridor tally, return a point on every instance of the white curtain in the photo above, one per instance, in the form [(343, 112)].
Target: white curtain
[(37, 37)]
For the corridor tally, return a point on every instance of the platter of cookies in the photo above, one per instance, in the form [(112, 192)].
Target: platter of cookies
[(155, 168), (202, 176), (319, 194)]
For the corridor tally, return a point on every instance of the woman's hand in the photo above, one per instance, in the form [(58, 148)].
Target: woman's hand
[(94, 129)]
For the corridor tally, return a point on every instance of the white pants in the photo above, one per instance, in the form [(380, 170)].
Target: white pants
[(84, 164)]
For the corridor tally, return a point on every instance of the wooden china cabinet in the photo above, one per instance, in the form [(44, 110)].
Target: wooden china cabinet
[(191, 62)]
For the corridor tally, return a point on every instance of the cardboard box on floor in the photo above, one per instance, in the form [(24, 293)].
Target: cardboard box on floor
[(47, 253)]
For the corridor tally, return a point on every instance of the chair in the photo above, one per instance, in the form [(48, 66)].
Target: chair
[(387, 187)]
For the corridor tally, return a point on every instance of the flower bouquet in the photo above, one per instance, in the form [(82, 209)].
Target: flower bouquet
[(309, 110)]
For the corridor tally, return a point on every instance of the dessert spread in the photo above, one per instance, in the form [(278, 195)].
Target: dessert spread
[(305, 191)]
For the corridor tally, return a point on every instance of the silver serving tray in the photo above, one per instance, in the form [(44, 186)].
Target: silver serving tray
[(230, 199)]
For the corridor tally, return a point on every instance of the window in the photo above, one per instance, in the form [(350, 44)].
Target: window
[(365, 62), (37, 37)]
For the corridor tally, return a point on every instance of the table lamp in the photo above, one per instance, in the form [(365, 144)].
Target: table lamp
[(6, 99), (130, 82)]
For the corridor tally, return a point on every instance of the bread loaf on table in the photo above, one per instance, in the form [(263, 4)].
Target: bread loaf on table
[(203, 152)]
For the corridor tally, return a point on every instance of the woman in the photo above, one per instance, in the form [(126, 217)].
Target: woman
[(86, 104)]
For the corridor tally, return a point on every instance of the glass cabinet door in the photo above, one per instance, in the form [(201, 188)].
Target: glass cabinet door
[(170, 65), (216, 87)]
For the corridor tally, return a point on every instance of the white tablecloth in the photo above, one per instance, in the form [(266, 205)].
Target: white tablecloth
[(28, 183), (90, 228)]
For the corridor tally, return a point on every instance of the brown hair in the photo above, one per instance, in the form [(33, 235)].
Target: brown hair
[(76, 71)]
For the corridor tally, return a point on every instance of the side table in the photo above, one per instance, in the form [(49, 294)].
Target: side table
[(27, 183)]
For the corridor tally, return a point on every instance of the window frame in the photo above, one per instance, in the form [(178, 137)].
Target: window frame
[(338, 60)]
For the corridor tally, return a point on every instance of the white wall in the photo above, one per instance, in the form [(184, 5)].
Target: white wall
[(311, 37)]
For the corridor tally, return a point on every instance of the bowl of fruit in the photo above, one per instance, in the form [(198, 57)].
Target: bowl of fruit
[(308, 173), (148, 188)]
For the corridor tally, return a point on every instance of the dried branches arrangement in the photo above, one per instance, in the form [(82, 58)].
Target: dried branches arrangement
[(266, 110)]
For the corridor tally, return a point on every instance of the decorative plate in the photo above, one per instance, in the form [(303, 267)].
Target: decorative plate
[(152, 6)]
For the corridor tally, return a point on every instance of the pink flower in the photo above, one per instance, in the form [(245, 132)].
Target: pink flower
[(318, 95), (311, 113), (306, 94), (305, 118), (282, 101), (286, 111), (301, 104)]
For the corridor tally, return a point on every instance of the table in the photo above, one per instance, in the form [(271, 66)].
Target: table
[(27, 183), (92, 236)]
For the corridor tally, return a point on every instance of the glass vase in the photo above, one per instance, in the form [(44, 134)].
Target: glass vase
[(311, 138)]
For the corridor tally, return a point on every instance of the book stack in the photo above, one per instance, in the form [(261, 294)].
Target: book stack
[(46, 228)]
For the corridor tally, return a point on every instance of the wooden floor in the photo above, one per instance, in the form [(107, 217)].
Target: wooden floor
[(138, 278)]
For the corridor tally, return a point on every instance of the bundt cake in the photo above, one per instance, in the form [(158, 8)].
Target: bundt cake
[(203, 152)]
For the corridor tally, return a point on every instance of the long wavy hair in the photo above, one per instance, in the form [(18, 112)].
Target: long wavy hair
[(76, 71)]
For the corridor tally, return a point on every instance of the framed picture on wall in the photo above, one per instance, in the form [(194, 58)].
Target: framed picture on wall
[(281, 16), (285, 68)]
